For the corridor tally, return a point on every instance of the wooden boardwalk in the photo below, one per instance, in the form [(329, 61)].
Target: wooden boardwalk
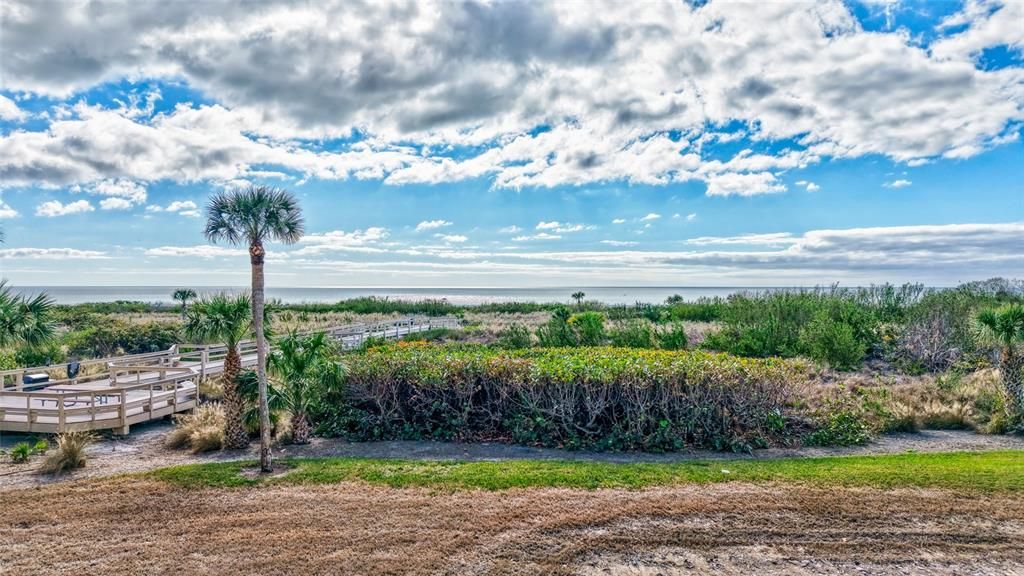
[(127, 390)]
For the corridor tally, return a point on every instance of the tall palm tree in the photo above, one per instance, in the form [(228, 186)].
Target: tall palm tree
[(253, 216), (305, 368), (184, 295), (1005, 325), (23, 320), (228, 320)]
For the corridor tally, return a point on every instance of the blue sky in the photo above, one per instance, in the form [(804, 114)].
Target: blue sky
[(517, 143)]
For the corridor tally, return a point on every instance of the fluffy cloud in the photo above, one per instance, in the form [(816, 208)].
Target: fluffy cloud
[(185, 208), (432, 225), (10, 111), (452, 238), (562, 227), (6, 211), (51, 254), (901, 183), (115, 204), (649, 217), (342, 241), (54, 208), (204, 251), (625, 91)]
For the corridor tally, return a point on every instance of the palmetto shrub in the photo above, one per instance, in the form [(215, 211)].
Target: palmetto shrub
[(597, 398)]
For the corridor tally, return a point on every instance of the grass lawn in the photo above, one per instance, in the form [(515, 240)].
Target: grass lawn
[(983, 472)]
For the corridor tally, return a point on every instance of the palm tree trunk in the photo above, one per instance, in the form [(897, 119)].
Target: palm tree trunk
[(301, 429), (183, 311), (256, 257), (235, 434), (1011, 367)]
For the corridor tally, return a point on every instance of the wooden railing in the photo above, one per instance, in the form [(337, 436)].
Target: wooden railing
[(171, 390), (141, 387)]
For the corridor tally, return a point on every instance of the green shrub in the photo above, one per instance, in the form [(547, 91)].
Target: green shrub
[(672, 337), (21, 452), (514, 337), (103, 336), (557, 332), (597, 398), (840, 424), (588, 328), (632, 334), (703, 310), (832, 342)]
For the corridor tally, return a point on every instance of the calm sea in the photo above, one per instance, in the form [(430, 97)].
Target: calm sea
[(609, 295)]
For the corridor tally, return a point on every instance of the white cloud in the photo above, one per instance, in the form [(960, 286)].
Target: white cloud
[(510, 229), (132, 192), (341, 241), (10, 111), (452, 238), (115, 204), (812, 187), (538, 236), (898, 183), (51, 254), (432, 225), (204, 251), (619, 221), (54, 208), (186, 208), (612, 82), (691, 216), (773, 239), (6, 211), (563, 227), (750, 184), (618, 243), (650, 216)]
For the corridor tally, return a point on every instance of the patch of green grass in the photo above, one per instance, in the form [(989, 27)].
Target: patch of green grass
[(985, 472)]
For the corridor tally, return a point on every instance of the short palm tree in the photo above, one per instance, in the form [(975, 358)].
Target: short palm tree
[(23, 320), (578, 297), (228, 320), (183, 295), (1005, 325), (253, 216), (304, 369)]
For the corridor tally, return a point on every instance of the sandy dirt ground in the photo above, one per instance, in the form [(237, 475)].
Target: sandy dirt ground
[(143, 450), (130, 525)]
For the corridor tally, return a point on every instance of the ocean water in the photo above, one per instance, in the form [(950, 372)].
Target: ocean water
[(462, 296)]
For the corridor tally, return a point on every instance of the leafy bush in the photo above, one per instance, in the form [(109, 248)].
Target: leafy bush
[(557, 332), (514, 337), (202, 430), (840, 426), (703, 310), (673, 337), (939, 332), (104, 336), (588, 328), (21, 452), (70, 453), (632, 334), (832, 342), (598, 398)]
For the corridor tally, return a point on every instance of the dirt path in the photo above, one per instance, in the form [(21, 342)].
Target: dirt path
[(143, 450), (141, 526)]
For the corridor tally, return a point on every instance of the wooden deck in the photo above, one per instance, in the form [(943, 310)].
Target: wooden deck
[(127, 390)]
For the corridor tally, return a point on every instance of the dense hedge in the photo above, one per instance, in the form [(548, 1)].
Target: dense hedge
[(597, 398)]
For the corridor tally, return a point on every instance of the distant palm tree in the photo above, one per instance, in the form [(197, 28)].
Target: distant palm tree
[(1005, 325), (228, 320), (23, 320), (578, 297), (252, 216), (184, 295), (305, 368)]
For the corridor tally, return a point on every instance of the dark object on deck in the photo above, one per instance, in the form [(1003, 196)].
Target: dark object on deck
[(73, 368), (40, 378)]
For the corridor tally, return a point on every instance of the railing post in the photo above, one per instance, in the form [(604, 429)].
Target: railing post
[(60, 415)]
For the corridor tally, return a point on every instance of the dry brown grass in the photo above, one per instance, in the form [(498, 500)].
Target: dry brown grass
[(69, 454), (137, 526), (201, 430)]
